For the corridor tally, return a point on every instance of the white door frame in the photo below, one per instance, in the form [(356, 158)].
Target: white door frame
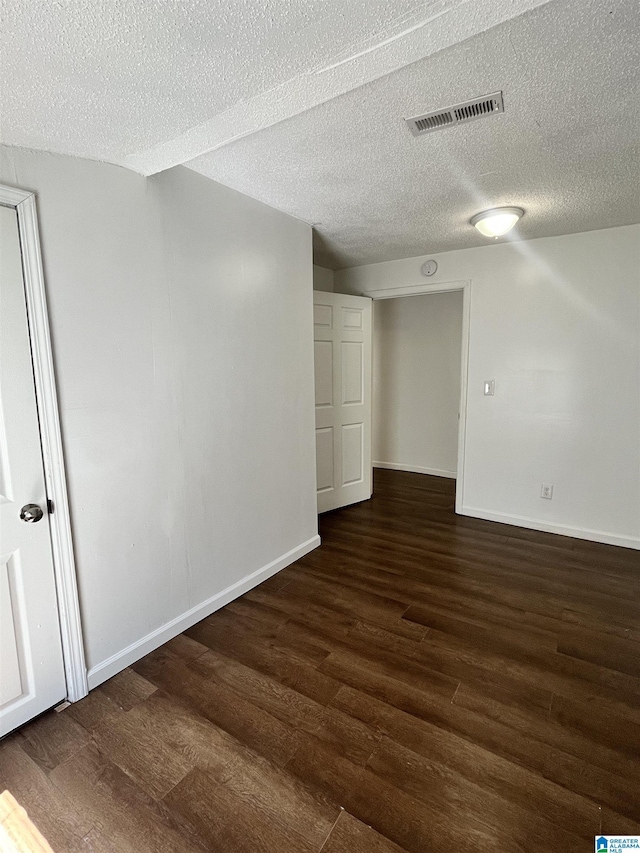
[(24, 203), (446, 287)]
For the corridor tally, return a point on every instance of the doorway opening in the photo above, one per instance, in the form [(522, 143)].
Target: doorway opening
[(420, 355)]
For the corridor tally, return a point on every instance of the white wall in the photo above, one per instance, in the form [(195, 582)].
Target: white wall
[(416, 382), (181, 316), (555, 322), (322, 278)]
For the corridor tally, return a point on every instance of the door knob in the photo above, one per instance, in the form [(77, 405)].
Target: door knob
[(31, 513)]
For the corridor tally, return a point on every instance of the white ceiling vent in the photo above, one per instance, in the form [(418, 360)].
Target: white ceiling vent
[(458, 114)]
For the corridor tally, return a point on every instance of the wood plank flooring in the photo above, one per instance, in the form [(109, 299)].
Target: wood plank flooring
[(422, 682)]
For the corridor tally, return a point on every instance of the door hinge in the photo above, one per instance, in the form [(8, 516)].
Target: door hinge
[(49, 506)]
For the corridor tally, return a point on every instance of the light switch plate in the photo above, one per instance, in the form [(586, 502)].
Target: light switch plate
[(489, 387)]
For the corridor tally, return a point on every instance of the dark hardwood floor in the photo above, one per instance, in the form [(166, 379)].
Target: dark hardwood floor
[(422, 682)]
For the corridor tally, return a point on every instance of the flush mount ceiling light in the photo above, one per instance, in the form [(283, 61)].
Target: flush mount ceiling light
[(497, 221)]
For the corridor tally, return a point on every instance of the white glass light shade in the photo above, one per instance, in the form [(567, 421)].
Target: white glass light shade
[(496, 222)]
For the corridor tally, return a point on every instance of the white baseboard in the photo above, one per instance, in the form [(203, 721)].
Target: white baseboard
[(415, 469), (116, 663), (562, 529)]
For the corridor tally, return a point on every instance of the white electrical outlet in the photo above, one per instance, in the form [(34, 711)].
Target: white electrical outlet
[(546, 491)]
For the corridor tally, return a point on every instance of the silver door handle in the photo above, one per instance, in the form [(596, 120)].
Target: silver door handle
[(31, 513)]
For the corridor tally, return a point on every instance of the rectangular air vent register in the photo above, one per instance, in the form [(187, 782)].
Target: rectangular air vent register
[(458, 114)]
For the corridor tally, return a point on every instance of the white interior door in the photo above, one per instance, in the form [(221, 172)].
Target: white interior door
[(342, 335), (31, 664)]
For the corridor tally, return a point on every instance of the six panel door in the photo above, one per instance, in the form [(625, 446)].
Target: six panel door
[(342, 340)]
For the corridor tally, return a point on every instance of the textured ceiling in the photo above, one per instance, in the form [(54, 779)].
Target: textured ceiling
[(149, 84), (300, 103), (566, 148)]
